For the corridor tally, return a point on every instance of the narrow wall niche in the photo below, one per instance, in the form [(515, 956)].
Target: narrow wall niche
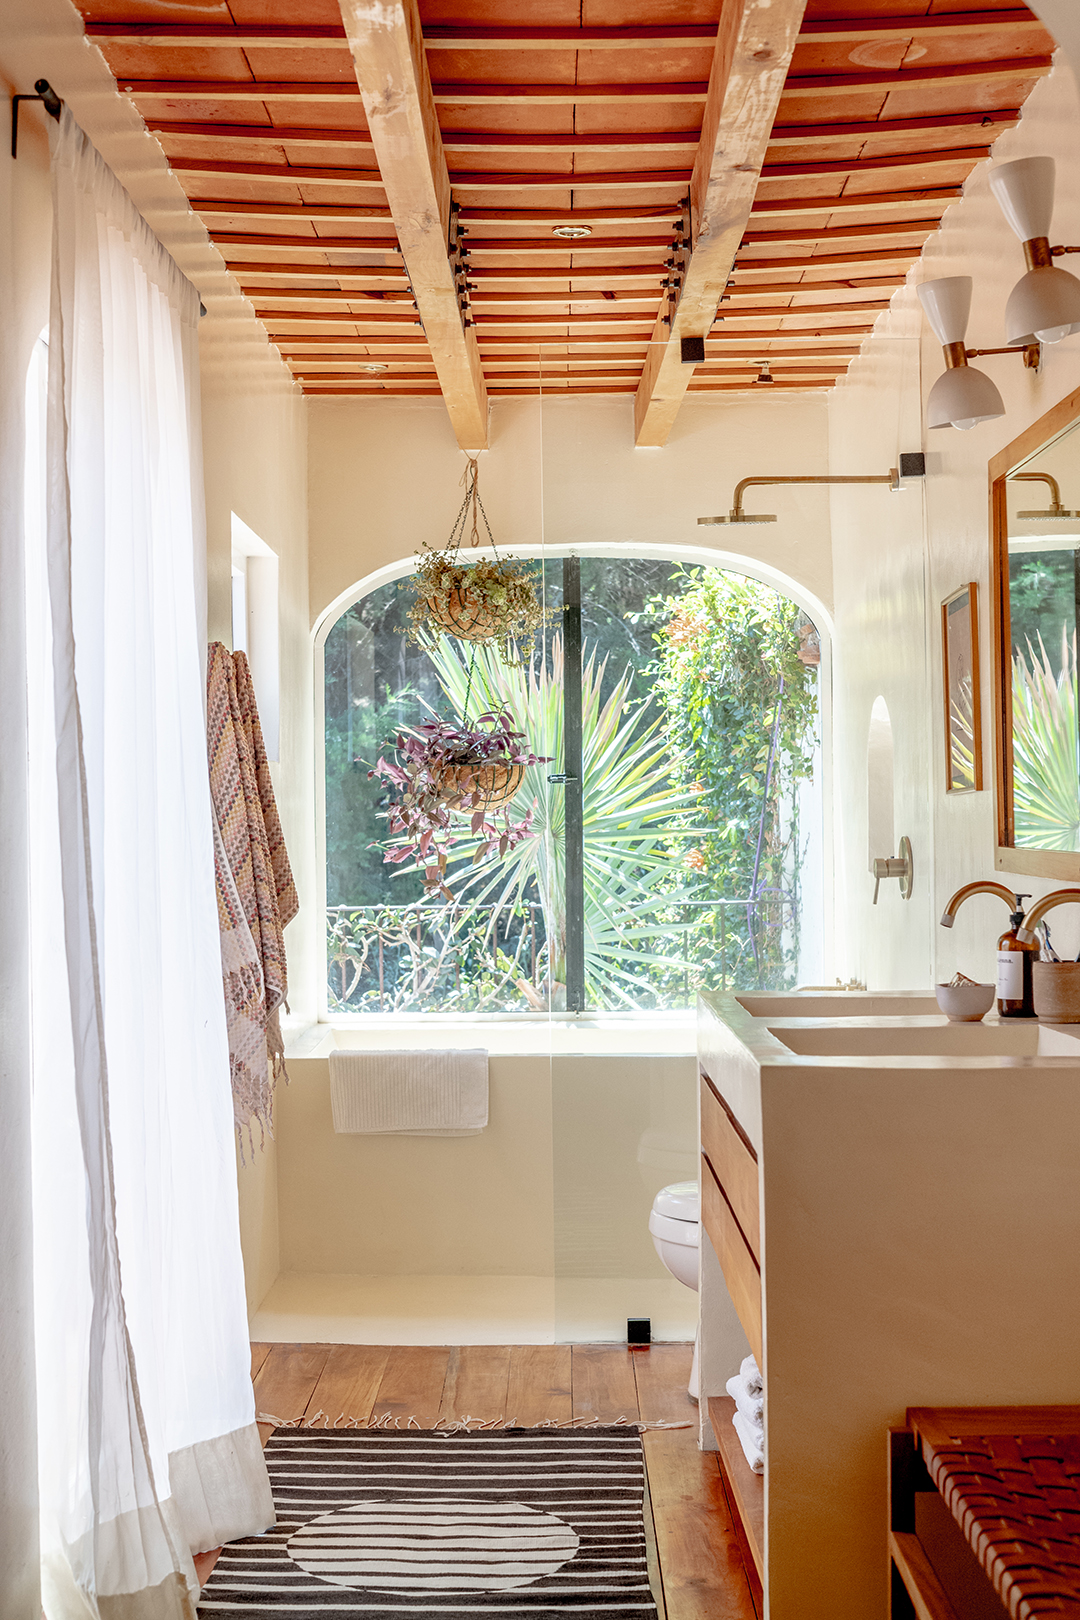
[(880, 828)]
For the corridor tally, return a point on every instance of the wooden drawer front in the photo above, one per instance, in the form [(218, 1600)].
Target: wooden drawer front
[(734, 1161), (737, 1263)]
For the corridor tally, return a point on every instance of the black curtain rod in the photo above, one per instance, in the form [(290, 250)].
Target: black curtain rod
[(43, 92)]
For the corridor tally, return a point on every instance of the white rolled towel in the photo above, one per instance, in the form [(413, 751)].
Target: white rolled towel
[(752, 1407), (752, 1442), (751, 1377)]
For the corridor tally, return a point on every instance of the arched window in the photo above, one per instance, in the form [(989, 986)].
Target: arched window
[(678, 863)]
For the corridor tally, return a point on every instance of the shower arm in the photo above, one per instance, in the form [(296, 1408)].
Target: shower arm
[(737, 515), (1040, 478)]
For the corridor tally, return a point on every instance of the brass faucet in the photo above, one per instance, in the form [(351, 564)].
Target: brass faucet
[(948, 916), (1060, 897)]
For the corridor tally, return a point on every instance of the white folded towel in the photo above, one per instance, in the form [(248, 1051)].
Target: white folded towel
[(751, 1376), (420, 1093), (751, 1441), (752, 1407)]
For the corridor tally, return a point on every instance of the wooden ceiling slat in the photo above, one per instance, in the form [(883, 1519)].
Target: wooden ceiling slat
[(525, 247), (470, 214), (443, 37), (364, 179), (492, 95), (811, 261), (241, 89), (865, 202), (911, 78), (215, 207), (969, 155), (371, 179), (841, 233), (453, 141), (308, 244)]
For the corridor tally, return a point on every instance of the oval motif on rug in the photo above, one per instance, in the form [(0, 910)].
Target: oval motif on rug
[(433, 1546)]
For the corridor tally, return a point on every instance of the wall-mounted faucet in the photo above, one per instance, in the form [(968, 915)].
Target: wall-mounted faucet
[(896, 866)]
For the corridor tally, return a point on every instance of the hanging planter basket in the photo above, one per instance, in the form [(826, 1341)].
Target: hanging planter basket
[(489, 599), (486, 787), (446, 769)]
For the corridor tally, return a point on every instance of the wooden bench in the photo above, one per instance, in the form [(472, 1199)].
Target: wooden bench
[(984, 1509)]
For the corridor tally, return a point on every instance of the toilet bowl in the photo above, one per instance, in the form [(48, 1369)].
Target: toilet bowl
[(675, 1225)]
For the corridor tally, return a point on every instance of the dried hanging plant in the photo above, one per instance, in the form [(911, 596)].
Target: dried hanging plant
[(491, 599)]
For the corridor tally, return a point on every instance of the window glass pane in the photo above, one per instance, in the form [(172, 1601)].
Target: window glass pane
[(700, 787)]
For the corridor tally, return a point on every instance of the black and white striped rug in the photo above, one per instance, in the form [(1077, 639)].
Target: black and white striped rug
[(515, 1522)]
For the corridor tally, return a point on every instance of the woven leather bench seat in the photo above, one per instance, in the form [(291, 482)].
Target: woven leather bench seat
[(1012, 1483)]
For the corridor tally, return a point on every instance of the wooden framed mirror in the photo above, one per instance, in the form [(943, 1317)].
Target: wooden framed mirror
[(1035, 615)]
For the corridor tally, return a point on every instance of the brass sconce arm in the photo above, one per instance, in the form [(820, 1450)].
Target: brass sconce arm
[(738, 515)]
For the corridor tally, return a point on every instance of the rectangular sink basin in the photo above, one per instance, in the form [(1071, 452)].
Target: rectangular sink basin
[(1011, 1038)]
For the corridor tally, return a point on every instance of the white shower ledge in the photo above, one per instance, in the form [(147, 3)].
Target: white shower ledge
[(656, 1034)]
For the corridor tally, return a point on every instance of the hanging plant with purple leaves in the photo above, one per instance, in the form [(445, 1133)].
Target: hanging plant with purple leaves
[(448, 768)]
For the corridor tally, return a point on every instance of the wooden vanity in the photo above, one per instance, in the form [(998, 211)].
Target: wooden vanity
[(884, 1228)]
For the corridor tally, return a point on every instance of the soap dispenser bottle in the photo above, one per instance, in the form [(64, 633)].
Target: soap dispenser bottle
[(1015, 956)]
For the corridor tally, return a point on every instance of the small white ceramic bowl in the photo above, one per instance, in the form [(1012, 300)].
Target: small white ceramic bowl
[(965, 1003)]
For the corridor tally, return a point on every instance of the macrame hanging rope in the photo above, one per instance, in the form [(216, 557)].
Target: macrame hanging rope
[(470, 478)]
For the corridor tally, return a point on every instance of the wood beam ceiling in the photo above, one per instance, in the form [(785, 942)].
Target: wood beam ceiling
[(750, 66), (386, 40), (540, 127)]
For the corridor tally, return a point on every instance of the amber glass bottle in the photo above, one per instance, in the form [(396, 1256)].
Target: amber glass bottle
[(1015, 956)]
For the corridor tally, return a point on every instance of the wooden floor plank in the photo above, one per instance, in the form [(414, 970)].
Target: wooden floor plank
[(700, 1558), (477, 1380), (259, 1353), (412, 1385), (662, 1373), (350, 1381), (540, 1390), (287, 1378), (603, 1383)]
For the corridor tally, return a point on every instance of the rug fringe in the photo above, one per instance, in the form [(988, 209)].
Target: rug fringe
[(462, 1425)]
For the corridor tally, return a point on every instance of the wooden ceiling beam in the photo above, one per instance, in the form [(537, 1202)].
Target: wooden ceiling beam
[(386, 40), (750, 63)]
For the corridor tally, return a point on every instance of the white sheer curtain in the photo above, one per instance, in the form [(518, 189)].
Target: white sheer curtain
[(149, 1449)]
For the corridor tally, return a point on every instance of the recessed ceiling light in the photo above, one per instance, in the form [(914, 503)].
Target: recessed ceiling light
[(375, 371), (571, 232)]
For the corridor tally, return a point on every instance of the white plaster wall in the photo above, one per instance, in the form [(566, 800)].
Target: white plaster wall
[(385, 477), (895, 561)]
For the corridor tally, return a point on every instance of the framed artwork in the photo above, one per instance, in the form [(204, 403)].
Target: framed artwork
[(963, 715)]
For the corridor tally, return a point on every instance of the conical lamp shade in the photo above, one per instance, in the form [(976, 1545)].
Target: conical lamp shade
[(963, 397), (1043, 307), (1025, 191), (947, 305)]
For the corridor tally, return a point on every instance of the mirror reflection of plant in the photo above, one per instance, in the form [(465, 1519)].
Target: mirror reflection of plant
[(449, 768), (741, 717), (1046, 770), (635, 872)]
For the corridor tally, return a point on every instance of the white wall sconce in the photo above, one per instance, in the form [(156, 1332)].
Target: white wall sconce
[(962, 397), (1044, 305)]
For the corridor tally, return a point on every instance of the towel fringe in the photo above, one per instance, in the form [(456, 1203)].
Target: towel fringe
[(462, 1425)]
